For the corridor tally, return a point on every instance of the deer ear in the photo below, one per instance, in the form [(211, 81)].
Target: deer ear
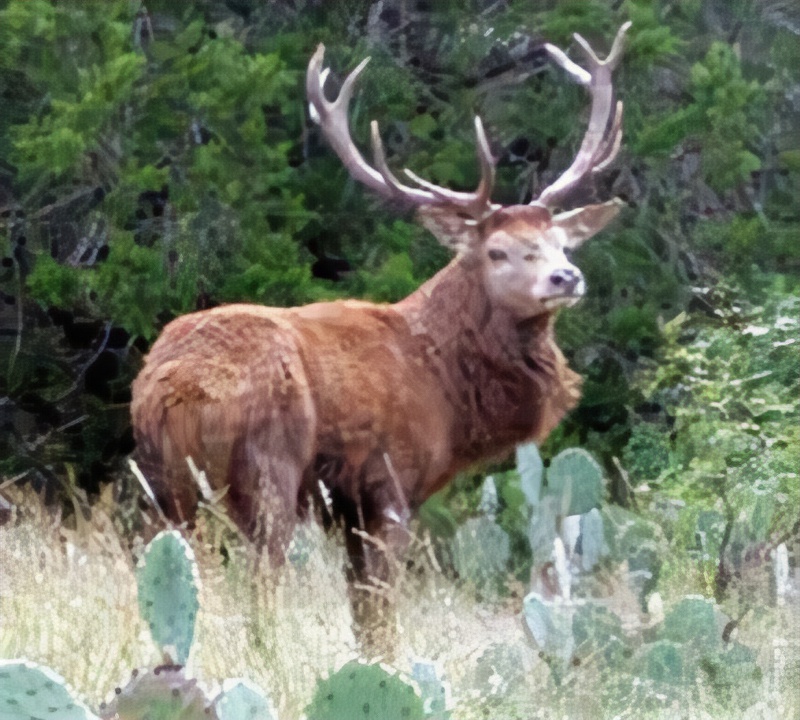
[(579, 225), (452, 227)]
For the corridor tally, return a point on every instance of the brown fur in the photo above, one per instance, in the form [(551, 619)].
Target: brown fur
[(379, 404), (383, 403)]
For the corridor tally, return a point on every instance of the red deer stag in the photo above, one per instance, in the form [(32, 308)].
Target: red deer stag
[(381, 404)]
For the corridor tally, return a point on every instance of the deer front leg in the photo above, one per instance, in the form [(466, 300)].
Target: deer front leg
[(376, 543)]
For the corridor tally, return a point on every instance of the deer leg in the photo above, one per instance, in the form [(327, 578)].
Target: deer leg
[(375, 545)]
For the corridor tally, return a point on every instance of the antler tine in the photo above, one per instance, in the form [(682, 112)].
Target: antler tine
[(614, 55), (487, 163), (478, 202), (331, 116), (604, 134), (560, 57), (379, 157), (612, 144)]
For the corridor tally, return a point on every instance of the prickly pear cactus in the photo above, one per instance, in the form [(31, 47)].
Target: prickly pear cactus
[(550, 625), (531, 472), (542, 529), (241, 700), (577, 480), (631, 539), (592, 541), (29, 691), (161, 694), (733, 673), (693, 621), (364, 691), (433, 690), (490, 503), (598, 634), (167, 583), (663, 662), (481, 551)]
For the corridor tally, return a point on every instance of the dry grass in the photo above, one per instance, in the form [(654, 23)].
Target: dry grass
[(68, 600)]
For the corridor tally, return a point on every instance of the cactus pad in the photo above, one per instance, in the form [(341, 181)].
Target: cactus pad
[(167, 582), (241, 700), (531, 472), (161, 694), (29, 691), (481, 551), (361, 692), (432, 689), (577, 480)]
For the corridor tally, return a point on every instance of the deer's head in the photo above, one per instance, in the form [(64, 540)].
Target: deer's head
[(521, 250)]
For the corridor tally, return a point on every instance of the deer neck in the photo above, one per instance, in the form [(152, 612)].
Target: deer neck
[(506, 378), (453, 311)]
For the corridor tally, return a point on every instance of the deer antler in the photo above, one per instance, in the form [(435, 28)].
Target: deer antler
[(331, 116), (604, 134)]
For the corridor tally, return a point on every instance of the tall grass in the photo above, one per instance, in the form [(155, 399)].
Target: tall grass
[(68, 600)]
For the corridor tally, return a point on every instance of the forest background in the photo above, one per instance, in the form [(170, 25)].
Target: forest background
[(156, 160)]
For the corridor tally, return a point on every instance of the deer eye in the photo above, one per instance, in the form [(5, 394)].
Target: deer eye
[(497, 255)]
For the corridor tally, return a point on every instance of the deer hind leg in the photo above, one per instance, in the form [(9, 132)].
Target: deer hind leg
[(161, 454), (264, 481)]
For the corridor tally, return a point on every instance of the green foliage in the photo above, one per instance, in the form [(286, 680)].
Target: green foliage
[(731, 391), (55, 284), (167, 580), (55, 142), (361, 690), (721, 117), (28, 690), (393, 281), (578, 16), (651, 39), (646, 455), (747, 242)]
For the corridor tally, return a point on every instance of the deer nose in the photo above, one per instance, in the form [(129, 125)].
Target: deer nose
[(566, 279)]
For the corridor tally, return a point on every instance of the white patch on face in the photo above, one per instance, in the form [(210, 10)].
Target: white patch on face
[(531, 275)]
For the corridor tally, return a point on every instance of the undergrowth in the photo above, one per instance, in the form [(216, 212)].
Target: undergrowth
[(68, 600)]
